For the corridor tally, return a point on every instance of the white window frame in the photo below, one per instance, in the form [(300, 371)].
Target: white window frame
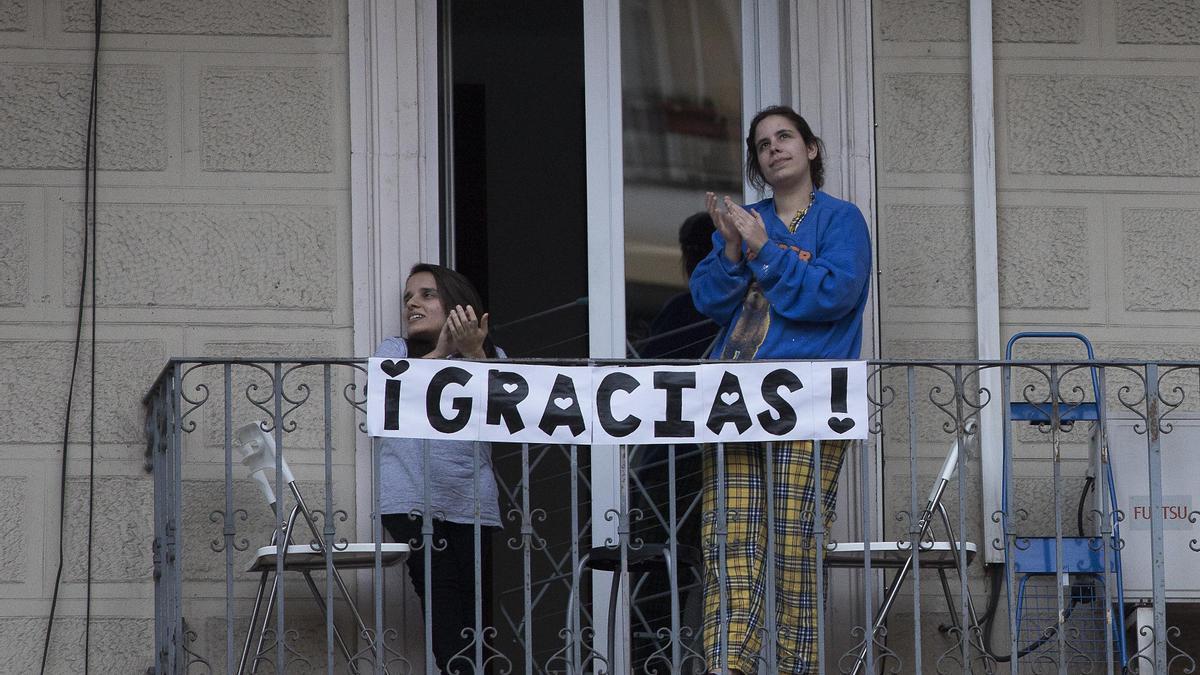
[(394, 90), (830, 63), (393, 81)]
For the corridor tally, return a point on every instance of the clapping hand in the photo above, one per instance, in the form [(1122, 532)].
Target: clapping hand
[(462, 333), (749, 225), (725, 226), (444, 346), (736, 225), (467, 331)]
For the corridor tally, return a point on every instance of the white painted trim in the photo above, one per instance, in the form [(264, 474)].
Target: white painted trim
[(987, 275), (832, 86), (426, 231), (438, 244), (606, 269), (394, 198), (372, 133), (393, 78), (370, 129), (393, 91), (762, 67), (605, 172)]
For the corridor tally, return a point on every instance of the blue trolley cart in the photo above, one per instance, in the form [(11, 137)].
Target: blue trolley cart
[(1064, 611)]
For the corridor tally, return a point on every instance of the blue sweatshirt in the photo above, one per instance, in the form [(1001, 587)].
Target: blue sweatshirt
[(815, 280)]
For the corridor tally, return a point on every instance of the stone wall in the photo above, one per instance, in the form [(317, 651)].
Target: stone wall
[(1098, 155), (223, 229), (1097, 109)]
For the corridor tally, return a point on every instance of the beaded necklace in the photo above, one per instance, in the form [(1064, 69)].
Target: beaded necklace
[(799, 217)]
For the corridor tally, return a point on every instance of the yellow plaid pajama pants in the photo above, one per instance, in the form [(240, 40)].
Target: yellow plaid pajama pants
[(745, 575)]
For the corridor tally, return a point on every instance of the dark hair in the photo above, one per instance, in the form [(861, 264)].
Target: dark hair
[(695, 240), (455, 289), (816, 165)]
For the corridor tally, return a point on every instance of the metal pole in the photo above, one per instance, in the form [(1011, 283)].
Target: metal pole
[(1154, 457)]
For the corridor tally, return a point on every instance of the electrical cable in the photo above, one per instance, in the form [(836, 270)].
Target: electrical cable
[(577, 302), (994, 598), (1088, 484), (89, 237), (1048, 634), (87, 624), (547, 347), (708, 339), (673, 332)]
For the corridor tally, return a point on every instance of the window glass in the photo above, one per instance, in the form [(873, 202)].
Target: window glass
[(518, 185), (681, 89)]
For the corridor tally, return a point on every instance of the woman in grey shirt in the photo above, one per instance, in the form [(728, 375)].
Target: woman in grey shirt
[(442, 319)]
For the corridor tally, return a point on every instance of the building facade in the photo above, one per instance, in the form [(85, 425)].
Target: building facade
[(269, 171)]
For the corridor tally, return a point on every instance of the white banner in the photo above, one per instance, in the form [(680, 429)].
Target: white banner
[(704, 403)]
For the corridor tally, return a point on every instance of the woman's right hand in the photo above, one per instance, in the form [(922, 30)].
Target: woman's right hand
[(725, 225)]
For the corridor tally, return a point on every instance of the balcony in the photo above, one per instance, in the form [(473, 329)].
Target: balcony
[(1127, 538)]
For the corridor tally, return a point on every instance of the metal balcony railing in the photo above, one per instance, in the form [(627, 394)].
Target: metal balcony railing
[(1095, 532)]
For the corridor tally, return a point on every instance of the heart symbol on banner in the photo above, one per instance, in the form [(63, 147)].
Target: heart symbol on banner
[(510, 387), (564, 403), (394, 368), (841, 424), (730, 397)]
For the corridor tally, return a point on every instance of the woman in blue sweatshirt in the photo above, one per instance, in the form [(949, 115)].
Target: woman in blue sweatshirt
[(788, 279)]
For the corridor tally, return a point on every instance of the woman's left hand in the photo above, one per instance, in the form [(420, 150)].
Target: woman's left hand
[(468, 331), (749, 224)]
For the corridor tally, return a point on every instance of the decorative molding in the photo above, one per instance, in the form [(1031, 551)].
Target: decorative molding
[(830, 77), (831, 83), (394, 199), (763, 80)]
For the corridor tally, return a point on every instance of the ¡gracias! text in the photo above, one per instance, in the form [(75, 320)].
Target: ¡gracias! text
[(755, 401)]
